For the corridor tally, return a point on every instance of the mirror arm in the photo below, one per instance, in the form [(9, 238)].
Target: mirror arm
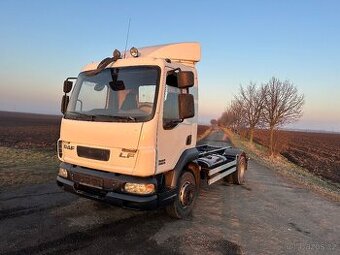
[(174, 70), (71, 78)]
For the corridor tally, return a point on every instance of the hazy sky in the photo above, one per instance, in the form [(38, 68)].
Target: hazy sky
[(42, 42)]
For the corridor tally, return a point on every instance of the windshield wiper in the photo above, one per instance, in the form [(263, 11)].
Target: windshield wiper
[(101, 117), (79, 116), (126, 118), (113, 117)]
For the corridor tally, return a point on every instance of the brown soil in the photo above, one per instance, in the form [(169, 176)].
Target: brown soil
[(317, 152), (25, 130), (201, 129)]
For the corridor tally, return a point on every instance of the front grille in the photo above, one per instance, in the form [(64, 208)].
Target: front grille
[(93, 153)]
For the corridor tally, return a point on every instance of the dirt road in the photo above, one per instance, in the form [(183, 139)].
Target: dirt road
[(267, 215)]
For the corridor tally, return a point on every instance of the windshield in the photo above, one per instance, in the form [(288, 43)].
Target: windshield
[(115, 94)]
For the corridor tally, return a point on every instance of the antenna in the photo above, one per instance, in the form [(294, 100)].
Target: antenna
[(127, 37)]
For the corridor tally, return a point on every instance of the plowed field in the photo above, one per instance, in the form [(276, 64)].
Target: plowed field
[(317, 152)]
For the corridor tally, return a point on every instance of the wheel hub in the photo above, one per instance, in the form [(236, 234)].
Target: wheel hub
[(187, 194)]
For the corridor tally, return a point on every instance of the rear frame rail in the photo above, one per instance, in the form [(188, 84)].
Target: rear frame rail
[(218, 169), (221, 175)]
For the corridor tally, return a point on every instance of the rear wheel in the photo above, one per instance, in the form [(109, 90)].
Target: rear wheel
[(238, 175), (186, 196)]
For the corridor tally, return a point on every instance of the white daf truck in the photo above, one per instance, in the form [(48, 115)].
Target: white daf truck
[(128, 134)]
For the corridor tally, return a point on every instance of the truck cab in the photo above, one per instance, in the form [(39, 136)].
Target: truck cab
[(129, 129)]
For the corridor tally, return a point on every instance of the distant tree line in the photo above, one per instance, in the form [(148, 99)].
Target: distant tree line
[(270, 105)]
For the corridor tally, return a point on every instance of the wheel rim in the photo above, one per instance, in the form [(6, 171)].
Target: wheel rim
[(187, 194)]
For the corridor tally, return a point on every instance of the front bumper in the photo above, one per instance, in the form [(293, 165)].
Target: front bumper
[(110, 190)]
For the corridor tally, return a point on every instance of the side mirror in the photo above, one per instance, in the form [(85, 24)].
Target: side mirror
[(185, 79), (67, 86), (186, 106), (64, 103), (171, 79)]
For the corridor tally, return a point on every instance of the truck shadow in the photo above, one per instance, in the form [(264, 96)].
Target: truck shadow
[(133, 235), (69, 224), (129, 232)]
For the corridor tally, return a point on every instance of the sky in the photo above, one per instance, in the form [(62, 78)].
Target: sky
[(43, 42)]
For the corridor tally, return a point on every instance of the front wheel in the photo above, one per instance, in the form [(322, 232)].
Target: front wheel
[(186, 196)]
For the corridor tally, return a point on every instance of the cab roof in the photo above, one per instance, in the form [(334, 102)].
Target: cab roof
[(182, 52), (187, 53)]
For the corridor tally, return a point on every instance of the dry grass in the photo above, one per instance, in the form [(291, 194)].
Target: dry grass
[(282, 166), (23, 166), (27, 148)]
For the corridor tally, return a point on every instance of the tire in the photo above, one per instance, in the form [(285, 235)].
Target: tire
[(186, 196), (238, 175)]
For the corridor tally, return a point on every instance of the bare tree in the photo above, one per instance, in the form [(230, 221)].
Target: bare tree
[(232, 117), (251, 98), (237, 110), (282, 105), (227, 119)]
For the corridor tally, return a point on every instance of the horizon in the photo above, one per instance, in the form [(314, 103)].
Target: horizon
[(241, 42), (201, 123)]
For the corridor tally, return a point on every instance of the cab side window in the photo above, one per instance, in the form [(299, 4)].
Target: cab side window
[(170, 107)]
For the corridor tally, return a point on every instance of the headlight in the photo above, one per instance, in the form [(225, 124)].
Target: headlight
[(62, 172), (139, 188), (134, 52)]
